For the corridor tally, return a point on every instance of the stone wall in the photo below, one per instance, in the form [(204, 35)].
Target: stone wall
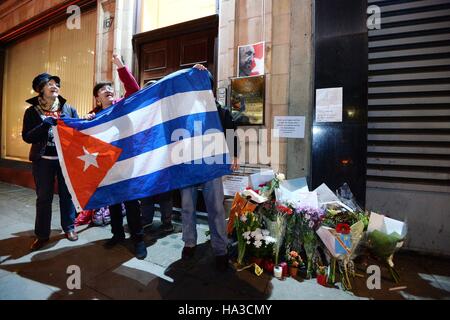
[(286, 28)]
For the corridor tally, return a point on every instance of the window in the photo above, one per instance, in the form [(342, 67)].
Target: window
[(157, 14), (59, 51)]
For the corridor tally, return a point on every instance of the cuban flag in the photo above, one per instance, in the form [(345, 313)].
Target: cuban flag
[(165, 137)]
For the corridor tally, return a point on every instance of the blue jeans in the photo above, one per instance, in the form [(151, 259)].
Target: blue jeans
[(165, 207), (213, 195), (44, 172)]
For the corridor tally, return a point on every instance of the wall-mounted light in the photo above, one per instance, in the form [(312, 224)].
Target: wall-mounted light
[(317, 130)]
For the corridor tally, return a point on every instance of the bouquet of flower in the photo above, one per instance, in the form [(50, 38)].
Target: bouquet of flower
[(259, 242), (294, 259), (245, 224), (385, 237), (267, 189), (310, 220), (240, 206), (275, 220), (341, 232)]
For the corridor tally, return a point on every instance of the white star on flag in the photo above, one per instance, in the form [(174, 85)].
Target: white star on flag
[(90, 159)]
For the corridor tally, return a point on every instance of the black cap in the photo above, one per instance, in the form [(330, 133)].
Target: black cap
[(42, 79)]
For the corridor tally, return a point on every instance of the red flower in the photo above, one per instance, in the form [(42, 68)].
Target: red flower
[(343, 228), (248, 188), (285, 210), (262, 185)]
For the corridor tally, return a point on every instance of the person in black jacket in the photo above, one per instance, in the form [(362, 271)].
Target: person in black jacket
[(37, 131)]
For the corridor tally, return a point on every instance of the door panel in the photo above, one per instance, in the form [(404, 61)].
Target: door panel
[(156, 59), (163, 51)]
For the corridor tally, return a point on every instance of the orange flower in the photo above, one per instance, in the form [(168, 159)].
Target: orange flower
[(293, 254)]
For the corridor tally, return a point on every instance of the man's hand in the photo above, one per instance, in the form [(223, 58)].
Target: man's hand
[(235, 164), (200, 67), (89, 116), (117, 61)]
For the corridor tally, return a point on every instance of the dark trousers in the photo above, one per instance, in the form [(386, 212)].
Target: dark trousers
[(44, 172), (165, 207), (133, 218)]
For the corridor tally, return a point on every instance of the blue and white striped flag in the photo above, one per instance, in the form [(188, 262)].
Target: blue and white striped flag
[(165, 137)]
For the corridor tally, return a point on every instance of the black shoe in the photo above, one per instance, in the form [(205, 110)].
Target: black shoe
[(146, 224), (38, 243), (167, 227), (188, 253), (140, 250), (222, 262), (113, 241)]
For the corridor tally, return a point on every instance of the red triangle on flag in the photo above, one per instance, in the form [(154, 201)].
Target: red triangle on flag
[(87, 160)]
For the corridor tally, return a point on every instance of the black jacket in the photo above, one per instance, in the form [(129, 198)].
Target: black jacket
[(35, 131), (228, 123)]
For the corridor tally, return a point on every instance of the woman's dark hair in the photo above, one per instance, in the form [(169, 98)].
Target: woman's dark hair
[(100, 85)]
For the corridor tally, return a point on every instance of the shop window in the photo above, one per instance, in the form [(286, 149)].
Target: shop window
[(59, 51), (157, 14)]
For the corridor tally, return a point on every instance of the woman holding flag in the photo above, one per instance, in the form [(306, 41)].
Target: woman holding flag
[(37, 131), (104, 97)]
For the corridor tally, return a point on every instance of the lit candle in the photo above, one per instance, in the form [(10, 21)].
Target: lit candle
[(278, 272)]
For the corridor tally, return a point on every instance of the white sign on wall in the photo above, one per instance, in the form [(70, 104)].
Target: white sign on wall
[(329, 104), (289, 127)]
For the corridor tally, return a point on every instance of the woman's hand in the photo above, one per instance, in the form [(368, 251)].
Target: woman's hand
[(200, 67), (89, 116), (117, 61)]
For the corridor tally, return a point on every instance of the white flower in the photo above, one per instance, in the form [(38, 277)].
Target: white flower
[(258, 243), (265, 232), (269, 239), (248, 242), (243, 218), (246, 235), (259, 237), (307, 216), (281, 177)]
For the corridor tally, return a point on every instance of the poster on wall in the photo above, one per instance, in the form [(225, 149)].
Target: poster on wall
[(251, 60), (289, 127), (329, 104), (247, 100)]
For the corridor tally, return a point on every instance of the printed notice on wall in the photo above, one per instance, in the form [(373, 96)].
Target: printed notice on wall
[(289, 127), (233, 184), (329, 105)]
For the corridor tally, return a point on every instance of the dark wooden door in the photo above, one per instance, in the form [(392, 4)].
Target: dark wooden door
[(163, 51)]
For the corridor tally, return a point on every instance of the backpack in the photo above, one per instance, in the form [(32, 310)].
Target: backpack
[(101, 217)]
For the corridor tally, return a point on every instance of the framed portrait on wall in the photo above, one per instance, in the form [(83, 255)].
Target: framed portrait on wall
[(247, 100), (251, 60)]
